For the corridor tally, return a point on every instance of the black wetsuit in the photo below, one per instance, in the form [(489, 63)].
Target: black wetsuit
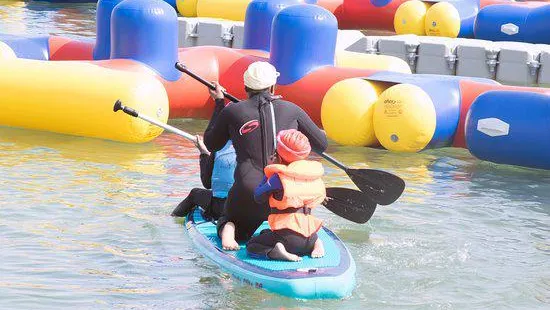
[(202, 197), (248, 124)]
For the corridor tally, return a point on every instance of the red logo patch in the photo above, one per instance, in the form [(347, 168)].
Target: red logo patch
[(249, 127)]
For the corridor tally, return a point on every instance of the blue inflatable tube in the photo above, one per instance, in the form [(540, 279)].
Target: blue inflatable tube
[(102, 48), (331, 276), (37, 48), (510, 127), (146, 31), (303, 38), (259, 18), (513, 22), (467, 10)]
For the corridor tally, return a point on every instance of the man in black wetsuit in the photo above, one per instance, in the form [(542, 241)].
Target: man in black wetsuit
[(252, 125)]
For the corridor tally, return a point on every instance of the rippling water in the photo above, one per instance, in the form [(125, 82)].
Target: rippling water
[(85, 223)]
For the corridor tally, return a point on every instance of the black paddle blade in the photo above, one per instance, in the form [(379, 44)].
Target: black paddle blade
[(350, 204), (382, 187)]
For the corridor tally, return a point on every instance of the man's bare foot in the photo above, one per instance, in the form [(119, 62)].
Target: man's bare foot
[(279, 253), (228, 237), (318, 249)]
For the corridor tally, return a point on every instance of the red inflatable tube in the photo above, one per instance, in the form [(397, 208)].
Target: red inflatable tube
[(187, 97), (228, 66), (309, 91), (469, 91), (373, 14), (67, 49), (367, 14)]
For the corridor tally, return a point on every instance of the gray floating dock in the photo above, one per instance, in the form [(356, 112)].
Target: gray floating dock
[(512, 63)]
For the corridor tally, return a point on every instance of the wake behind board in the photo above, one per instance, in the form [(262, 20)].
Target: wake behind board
[(332, 276)]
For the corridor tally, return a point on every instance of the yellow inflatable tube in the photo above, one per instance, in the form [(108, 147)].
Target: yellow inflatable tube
[(187, 8), (410, 17), (77, 98), (231, 10), (347, 112), (347, 59)]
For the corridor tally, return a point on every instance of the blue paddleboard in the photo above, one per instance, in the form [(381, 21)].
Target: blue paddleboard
[(332, 276)]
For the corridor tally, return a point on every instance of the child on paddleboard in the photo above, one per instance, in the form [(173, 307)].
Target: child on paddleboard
[(217, 171), (293, 187)]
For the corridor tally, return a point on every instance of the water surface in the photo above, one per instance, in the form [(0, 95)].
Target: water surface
[(85, 223)]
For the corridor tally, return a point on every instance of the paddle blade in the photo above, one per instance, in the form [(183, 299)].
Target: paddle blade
[(350, 204), (382, 187)]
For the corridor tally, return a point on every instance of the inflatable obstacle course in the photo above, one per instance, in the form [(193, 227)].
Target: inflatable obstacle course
[(145, 45)]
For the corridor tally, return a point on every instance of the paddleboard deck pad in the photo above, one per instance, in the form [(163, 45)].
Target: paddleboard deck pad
[(332, 276)]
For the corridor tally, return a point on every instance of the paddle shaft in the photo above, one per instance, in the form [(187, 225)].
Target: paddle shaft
[(211, 86), (134, 113), (184, 69)]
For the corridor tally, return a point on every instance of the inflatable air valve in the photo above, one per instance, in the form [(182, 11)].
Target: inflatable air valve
[(102, 49), (146, 31), (259, 18), (347, 110), (409, 17), (303, 38)]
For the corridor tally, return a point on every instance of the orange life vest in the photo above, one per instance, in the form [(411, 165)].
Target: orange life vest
[(303, 190)]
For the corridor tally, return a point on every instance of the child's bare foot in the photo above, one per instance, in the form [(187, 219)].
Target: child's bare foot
[(318, 249), (279, 253), (228, 237)]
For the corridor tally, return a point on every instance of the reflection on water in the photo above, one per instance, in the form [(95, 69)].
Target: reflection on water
[(74, 20), (80, 218), (85, 223)]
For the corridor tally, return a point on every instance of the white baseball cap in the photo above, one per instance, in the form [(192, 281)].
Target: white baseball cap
[(260, 75)]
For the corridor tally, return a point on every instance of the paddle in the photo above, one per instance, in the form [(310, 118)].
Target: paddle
[(382, 187), (339, 200), (350, 204)]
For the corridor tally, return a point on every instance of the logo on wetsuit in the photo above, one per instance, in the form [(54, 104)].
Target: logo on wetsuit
[(249, 127)]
